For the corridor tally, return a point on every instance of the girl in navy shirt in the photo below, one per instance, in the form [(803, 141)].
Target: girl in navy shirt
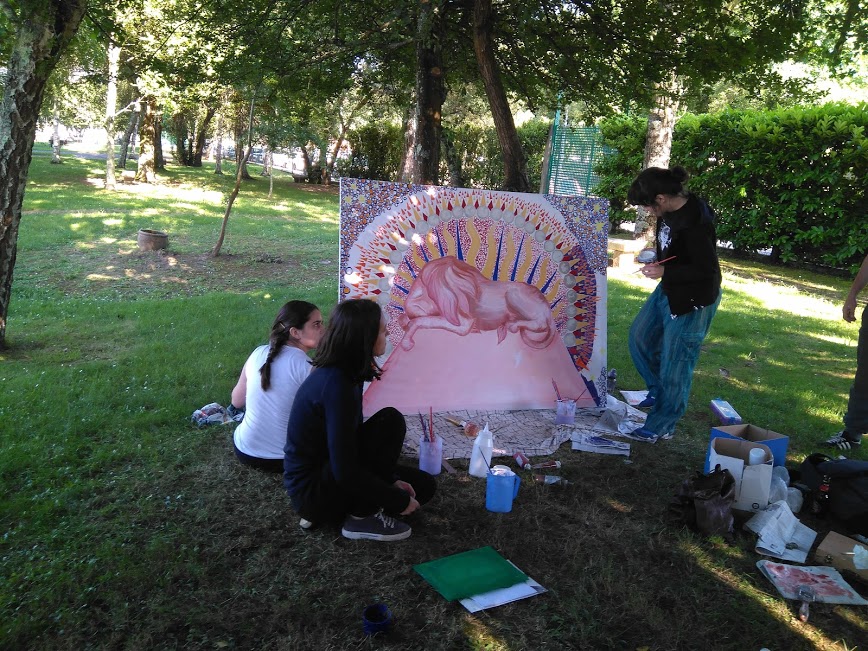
[(336, 465)]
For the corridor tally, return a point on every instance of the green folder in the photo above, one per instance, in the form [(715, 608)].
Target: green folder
[(470, 573)]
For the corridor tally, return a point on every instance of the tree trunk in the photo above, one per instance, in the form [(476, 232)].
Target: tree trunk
[(429, 91), (453, 160), (240, 158), (324, 175), (658, 147), (159, 159), (345, 126), (111, 107), (515, 176), (408, 169), (218, 147), (146, 172), (308, 166), (238, 176), (266, 163), (55, 139), (42, 32), (128, 133), (200, 136), (179, 126)]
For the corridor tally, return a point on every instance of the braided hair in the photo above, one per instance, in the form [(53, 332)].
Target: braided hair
[(292, 315)]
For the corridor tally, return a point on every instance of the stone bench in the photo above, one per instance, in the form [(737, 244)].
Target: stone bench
[(624, 251)]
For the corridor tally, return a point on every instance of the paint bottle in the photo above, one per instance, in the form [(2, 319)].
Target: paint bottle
[(480, 458), (550, 479)]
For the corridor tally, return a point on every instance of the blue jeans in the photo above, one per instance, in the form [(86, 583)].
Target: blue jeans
[(856, 418), (665, 352)]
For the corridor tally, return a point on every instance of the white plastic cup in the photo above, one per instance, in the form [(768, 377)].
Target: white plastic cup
[(756, 456), (565, 412), (431, 455)]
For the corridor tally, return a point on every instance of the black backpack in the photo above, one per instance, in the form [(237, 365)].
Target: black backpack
[(839, 487)]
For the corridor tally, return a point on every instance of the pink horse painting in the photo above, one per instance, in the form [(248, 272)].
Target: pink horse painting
[(451, 295)]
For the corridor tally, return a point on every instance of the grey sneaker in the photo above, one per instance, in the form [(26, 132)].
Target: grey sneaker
[(305, 524), (842, 441), (375, 527)]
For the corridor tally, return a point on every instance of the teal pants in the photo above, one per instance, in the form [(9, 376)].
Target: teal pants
[(665, 351)]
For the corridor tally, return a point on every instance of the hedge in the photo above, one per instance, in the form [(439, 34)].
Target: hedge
[(791, 180)]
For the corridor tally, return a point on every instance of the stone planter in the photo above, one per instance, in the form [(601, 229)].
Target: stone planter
[(151, 240)]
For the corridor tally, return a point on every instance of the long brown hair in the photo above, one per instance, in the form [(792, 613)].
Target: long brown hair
[(292, 315), (349, 340)]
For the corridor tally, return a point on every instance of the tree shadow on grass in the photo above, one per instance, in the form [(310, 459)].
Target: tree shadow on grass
[(618, 574)]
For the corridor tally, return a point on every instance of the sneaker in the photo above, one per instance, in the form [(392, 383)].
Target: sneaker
[(647, 402), (842, 441), (642, 434), (375, 527), (305, 524)]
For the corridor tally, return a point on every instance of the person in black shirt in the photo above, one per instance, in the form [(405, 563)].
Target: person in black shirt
[(856, 417), (666, 335), (337, 466)]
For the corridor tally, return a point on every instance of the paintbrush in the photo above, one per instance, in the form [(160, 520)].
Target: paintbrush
[(557, 393), (470, 428), (654, 264), (431, 423)]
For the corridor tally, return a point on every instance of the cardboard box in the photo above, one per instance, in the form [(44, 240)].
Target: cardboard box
[(843, 553), (752, 483), (777, 443)]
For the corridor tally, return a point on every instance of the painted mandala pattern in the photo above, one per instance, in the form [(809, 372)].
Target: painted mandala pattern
[(389, 231)]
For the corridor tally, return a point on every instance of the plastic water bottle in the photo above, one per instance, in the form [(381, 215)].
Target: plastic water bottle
[(480, 458), (550, 479)]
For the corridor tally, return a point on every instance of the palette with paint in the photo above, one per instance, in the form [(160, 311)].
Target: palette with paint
[(827, 584)]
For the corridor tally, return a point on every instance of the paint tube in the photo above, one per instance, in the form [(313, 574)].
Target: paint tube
[(522, 461), (550, 479), (546, 464)]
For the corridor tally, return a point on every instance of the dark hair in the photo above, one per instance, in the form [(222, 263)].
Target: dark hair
[(292, 315), (657, 180), (348, 342)]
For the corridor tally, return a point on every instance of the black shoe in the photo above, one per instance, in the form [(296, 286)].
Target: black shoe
[(375, 527), (842, 441)]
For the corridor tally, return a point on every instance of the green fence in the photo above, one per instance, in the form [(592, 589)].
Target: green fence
[(573, 153)]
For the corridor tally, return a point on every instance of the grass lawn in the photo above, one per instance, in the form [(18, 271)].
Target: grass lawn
[(126, 527)]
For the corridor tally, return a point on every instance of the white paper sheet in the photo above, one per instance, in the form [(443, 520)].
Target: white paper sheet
[(780, 534), (633, 398), (501, 596)]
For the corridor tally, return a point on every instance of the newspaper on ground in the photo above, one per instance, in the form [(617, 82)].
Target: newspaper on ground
[(587, 442), (619, 418), (780, 534)]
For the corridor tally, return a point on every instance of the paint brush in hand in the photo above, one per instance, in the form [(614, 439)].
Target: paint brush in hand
[(654, 264)]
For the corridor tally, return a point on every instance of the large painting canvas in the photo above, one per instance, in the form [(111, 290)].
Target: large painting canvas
[(490, 297)]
